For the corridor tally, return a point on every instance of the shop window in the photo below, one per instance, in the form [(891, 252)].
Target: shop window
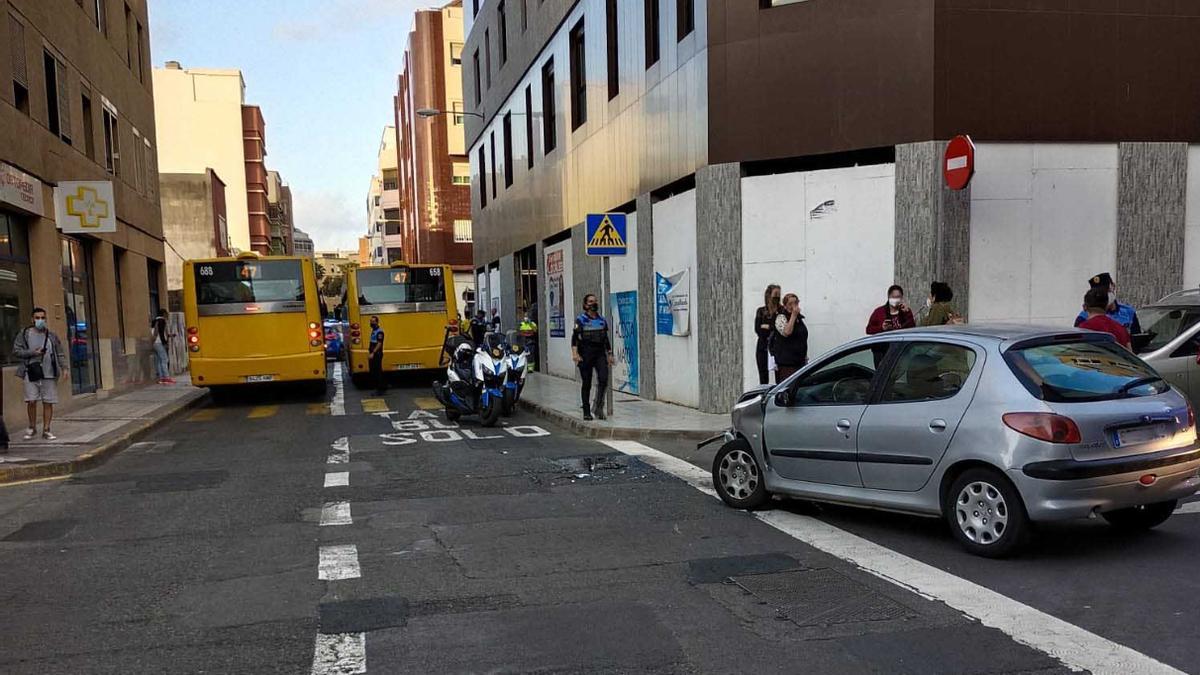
[(79, 303), (16, 291)]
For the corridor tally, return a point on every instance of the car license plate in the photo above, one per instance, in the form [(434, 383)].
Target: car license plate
[(1139, 435), (408, 366), (259, 378)]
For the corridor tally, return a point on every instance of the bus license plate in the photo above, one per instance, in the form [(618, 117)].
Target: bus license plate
[(259, 378), (408, 366)]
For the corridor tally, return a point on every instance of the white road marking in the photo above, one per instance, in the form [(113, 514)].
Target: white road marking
[(340, 654), (955, 163), (1190, 507), (1073, 646), (339, 451), (337, 404), (336, 513), (338, 562), (337, 479)]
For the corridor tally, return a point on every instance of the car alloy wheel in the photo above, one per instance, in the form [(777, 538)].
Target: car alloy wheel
[(981, 513), (739, 474)]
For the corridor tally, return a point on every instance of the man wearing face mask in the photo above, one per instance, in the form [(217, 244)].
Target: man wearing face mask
[(1117, 311), (40, 363), (375, 357), (591, 350), (895, 315)]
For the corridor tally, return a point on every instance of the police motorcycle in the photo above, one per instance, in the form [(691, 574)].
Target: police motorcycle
[(517, 355), (475, 378)]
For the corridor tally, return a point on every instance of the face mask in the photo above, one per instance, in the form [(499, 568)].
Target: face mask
[(895, 302), (1112, 299), (592, 307), (39, 323), (929, 302)]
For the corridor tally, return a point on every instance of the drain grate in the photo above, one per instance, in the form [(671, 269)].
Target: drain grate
[(822, 597), (42, 530)]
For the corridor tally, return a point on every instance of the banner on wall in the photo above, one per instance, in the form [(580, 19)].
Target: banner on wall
[(673, 304), (625, 364), (555, 289)]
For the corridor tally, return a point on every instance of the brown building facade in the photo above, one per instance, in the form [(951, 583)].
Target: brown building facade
[(77, 105), (254, 144), (433, 171)]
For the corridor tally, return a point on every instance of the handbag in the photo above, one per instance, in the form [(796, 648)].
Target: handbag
[(33, 371)]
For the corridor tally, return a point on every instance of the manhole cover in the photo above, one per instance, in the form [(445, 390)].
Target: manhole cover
[(42, 530), (822, 597)]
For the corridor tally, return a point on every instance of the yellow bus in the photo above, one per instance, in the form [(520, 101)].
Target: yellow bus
[(253, 319), (414, 304)]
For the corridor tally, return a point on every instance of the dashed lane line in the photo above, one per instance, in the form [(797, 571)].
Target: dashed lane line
[(205, 415), (1075, 647), (337, 404), (259, 412), (339, 451), (336, 513), (374, 405), (338, 562), (340, 654), (337, 479)]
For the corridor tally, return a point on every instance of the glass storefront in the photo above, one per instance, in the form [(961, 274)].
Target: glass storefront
[(16, 291), (79, 304)]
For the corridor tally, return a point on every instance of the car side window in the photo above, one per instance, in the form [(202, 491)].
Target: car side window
[(928, 371), (846, 380), (1192, 346)]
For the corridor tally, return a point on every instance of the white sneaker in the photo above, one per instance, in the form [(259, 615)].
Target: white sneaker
[(49, 436), (30, 433)]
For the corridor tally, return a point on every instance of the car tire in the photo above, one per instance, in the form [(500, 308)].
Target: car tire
[(986, 514), (1138, 518), (738, 477)]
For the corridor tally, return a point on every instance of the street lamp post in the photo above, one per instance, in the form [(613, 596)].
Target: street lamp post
[(434, 112)]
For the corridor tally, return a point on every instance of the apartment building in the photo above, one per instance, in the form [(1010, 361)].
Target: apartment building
[(383, 204), (279, 215), (802, 143), (195, 223)]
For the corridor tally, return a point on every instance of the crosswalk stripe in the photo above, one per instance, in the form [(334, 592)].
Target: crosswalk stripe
[(261, 411), (206, 415), (317, 409), (427, 403), (337, 479), (374, 405), (336, 513), (340, 654), (338, 562)]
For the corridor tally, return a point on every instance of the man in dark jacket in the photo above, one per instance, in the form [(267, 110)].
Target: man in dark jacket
[(591, 349)]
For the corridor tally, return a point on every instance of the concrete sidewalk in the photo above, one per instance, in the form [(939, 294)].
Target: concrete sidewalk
[(633, 418), (90, 434)]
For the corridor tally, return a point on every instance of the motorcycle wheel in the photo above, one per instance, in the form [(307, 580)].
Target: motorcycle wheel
[(509, 403), (490, 414)]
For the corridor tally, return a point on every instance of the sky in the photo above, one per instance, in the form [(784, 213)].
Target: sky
[(324, 73)]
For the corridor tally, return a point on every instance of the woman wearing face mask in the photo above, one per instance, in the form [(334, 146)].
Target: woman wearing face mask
[(763, 318), (895, 315), (941, 308), (790, 339)]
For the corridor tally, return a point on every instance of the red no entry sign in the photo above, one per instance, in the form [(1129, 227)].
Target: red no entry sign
[(959, 163)]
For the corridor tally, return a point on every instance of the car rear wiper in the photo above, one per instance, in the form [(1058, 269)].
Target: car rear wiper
[(1137, 383)]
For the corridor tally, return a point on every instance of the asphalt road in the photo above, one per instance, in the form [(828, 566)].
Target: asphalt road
[(269, 534)]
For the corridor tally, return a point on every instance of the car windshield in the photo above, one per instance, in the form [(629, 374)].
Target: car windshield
[(1083, 371), (1163, 324)]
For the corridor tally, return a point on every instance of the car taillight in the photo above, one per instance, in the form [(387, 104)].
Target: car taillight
[(1044, 427)]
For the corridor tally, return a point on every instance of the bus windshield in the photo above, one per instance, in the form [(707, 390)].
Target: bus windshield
[(219, 283), (400, 285)]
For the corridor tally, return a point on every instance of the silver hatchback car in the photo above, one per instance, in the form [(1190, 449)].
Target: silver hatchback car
[(988, 427)]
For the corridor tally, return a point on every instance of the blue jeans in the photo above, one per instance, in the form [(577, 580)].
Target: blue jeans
[(161, 359)]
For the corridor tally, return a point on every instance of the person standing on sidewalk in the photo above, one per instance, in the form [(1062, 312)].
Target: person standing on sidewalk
[(40, 364), (940, 307), (162, 341), (1117, 311), (790, 339), (1096, 305), (763, 319), (895, 315), (591, 350), (375, 357)]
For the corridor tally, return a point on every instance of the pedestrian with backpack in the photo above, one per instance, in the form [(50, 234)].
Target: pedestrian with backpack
[(40, 364)]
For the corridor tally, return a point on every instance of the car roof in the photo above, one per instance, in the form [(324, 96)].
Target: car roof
[(998, 332), (1189, 297)]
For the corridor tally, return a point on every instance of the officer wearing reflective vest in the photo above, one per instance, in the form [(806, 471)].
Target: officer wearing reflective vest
[(1117, 311), (592, 350)]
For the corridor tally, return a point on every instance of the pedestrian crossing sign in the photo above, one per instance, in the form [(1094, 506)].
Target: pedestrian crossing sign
[(606, 234)]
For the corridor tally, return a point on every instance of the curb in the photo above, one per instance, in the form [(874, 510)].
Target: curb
[(97, 456), (594, 430)]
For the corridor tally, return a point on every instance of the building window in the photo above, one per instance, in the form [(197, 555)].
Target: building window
[(79, 304), (461, 174), (137, 165), (652, 31), (391, 228), (482, 177), (462, 233), (474, 8), (508, 155), (151, 167), (89, 130), (20, 72), (685, 18), (391, 214), (390, 180), (141, 70), (16, 289), (549, 140), (524, 15), (528, 126), (487, 57), (578, 77), (102, 16), (502, 27), (456, 53), (128, 37), (478, 87), (492, 142), (152, 270), (394, 255), (614, 64), (118, 255), (112, 141), (456, 110), (58, 107)]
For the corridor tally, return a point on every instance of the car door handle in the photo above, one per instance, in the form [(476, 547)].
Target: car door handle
[(937, 425), (843, 425)]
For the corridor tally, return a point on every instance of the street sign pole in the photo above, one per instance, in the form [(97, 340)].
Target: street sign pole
[(604, 278)]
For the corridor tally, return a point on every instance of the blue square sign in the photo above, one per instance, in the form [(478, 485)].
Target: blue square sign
[(606, 234)]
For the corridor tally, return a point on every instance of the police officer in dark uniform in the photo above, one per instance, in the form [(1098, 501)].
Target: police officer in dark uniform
[(592, 350)]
